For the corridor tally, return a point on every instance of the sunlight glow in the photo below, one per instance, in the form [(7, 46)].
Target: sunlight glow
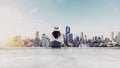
[(9, 16)]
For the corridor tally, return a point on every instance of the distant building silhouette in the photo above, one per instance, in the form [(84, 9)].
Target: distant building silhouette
[(45, 40), (37, 41), (67, 32), (81, 37), (118, 38), (70, 38), (77, 41), (112, 36)]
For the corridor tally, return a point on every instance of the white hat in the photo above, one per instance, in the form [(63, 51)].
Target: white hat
[(56, 28)]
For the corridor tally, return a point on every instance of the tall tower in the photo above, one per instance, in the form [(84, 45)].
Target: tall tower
[(67, 32), (81, 37), (102, 37), (67, 29), (112, 36), (37, 34), (118, 37), (70, 38), (37, 41), (85, 38)]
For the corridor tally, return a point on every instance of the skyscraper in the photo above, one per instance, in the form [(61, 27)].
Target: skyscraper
[(77, 41), (102, 37), (70, 38), (67, 32), (37, 34), (119, 38), (85, 39), (67, 29), (37, 41), (112, 36), (81, 35)]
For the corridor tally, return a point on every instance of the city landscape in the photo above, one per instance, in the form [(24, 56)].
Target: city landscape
[(69, 40), (59, 33)]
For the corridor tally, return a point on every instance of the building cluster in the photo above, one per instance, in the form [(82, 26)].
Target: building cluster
[(17, 41), (70, 41), (97, 41)]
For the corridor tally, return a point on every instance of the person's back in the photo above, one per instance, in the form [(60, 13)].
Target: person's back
[(56, 44), (57, 39)]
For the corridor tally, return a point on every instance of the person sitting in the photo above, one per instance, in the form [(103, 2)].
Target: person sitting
[(57, 38)]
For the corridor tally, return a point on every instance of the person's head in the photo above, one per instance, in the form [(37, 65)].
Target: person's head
[(56, 32)]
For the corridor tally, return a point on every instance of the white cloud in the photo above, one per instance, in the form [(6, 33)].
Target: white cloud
[(34, 10), (9, 12), (9, 18), (12, 23)]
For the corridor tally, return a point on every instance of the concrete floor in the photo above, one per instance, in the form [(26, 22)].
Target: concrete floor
[(60, 58)]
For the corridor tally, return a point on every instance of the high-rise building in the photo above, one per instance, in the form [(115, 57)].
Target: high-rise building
[(77, 41), (85, 38), (118, 37), (96, 38), (70, 38), (45, 40), (112, 36), (102, 38), (67, 29), (37, 34), (37, 41), (81, 35), (67, 32)]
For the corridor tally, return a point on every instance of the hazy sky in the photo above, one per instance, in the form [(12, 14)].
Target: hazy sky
[(25, 17)]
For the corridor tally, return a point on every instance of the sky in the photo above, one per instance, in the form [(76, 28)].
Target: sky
[(25, 17)]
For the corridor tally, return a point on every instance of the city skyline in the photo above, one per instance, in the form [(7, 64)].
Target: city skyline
[(25, 17)]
